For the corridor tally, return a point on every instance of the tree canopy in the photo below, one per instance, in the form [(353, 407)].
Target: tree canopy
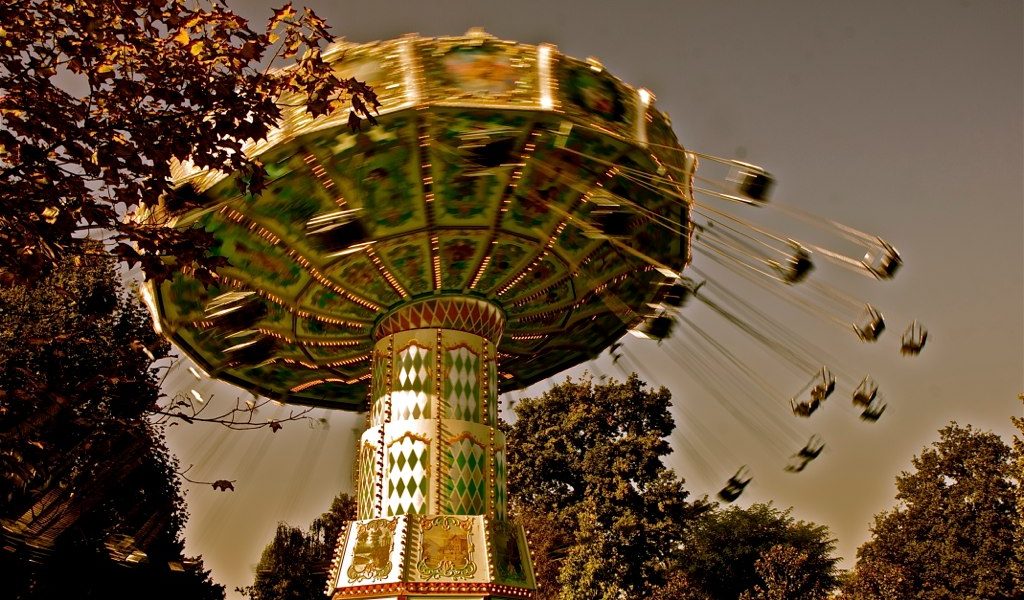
[(98, 98), (951, 534), (295, 564), (588, 481), (1018, 476), (89, 498), (758, 552)]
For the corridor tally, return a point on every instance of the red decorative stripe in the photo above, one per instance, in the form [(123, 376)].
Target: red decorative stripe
[(437, 587), (471, 315)]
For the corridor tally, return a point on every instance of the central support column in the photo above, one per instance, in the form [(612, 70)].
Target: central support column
[(431, 466)]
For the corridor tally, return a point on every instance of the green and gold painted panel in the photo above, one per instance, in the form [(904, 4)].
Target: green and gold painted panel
[(446, 548), (460, 253), (509, 255), (479, 71), (332, 304), (408, 259), (473, 154), (592, 95)]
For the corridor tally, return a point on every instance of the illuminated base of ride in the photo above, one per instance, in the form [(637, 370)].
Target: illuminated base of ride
[(432, 464), (427, 556)]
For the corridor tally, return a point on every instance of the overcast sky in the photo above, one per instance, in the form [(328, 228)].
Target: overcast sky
[(903, 119)]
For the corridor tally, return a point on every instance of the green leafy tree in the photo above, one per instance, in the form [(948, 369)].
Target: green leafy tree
[(295, 564), (97, 98), (678, 587), (951, 533), (89, 498), (759, 550), (784, 575), (587, 479)]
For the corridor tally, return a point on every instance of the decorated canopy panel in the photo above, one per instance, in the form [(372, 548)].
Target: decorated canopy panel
[(484, 177)]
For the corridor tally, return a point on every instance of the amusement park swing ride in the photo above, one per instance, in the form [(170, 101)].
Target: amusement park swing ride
[(514, 213)]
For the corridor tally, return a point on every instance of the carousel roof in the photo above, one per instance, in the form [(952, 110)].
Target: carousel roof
[(501, 171)]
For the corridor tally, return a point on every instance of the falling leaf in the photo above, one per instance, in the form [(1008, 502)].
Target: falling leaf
[(198, 396), (223, 485)]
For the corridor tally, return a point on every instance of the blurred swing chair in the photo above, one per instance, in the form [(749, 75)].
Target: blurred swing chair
[(913, 340), (735, 486), (869, 330), (797, 267), (800, 460)]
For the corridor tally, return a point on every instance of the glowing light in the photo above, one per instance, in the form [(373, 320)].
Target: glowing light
[(149, 299), (409, 72), (547, 100)]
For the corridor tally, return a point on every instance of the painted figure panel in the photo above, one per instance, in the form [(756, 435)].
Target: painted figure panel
[(508, 554), (371, 553), (596, 96), (485, 72), (446, 548)]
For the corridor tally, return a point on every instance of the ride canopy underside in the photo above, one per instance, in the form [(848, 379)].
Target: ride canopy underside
[(498, 171)]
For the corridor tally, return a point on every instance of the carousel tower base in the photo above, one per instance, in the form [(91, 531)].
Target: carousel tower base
[(433, 556), (431, 468)]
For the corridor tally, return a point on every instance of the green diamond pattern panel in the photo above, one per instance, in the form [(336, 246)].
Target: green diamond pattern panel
[(367, 464), (410, 398), (467, 482), (378, 391), (408, 477), (500, 494), (462, 386), (492, 390)]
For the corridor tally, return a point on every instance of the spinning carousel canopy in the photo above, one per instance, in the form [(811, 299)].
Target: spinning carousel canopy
[(500, 172)]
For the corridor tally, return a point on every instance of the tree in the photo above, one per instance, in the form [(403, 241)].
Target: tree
[(785, 576), (951, 533), (1018, 476), (89, 498), (97, 99), (586, 478), (75, 357), (295, 564), (758, 550)]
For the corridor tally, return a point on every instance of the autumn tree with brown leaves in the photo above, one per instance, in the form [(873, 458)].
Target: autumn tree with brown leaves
[(98, 97)]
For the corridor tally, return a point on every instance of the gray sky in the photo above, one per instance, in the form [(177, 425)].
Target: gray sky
[(903, 119)]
